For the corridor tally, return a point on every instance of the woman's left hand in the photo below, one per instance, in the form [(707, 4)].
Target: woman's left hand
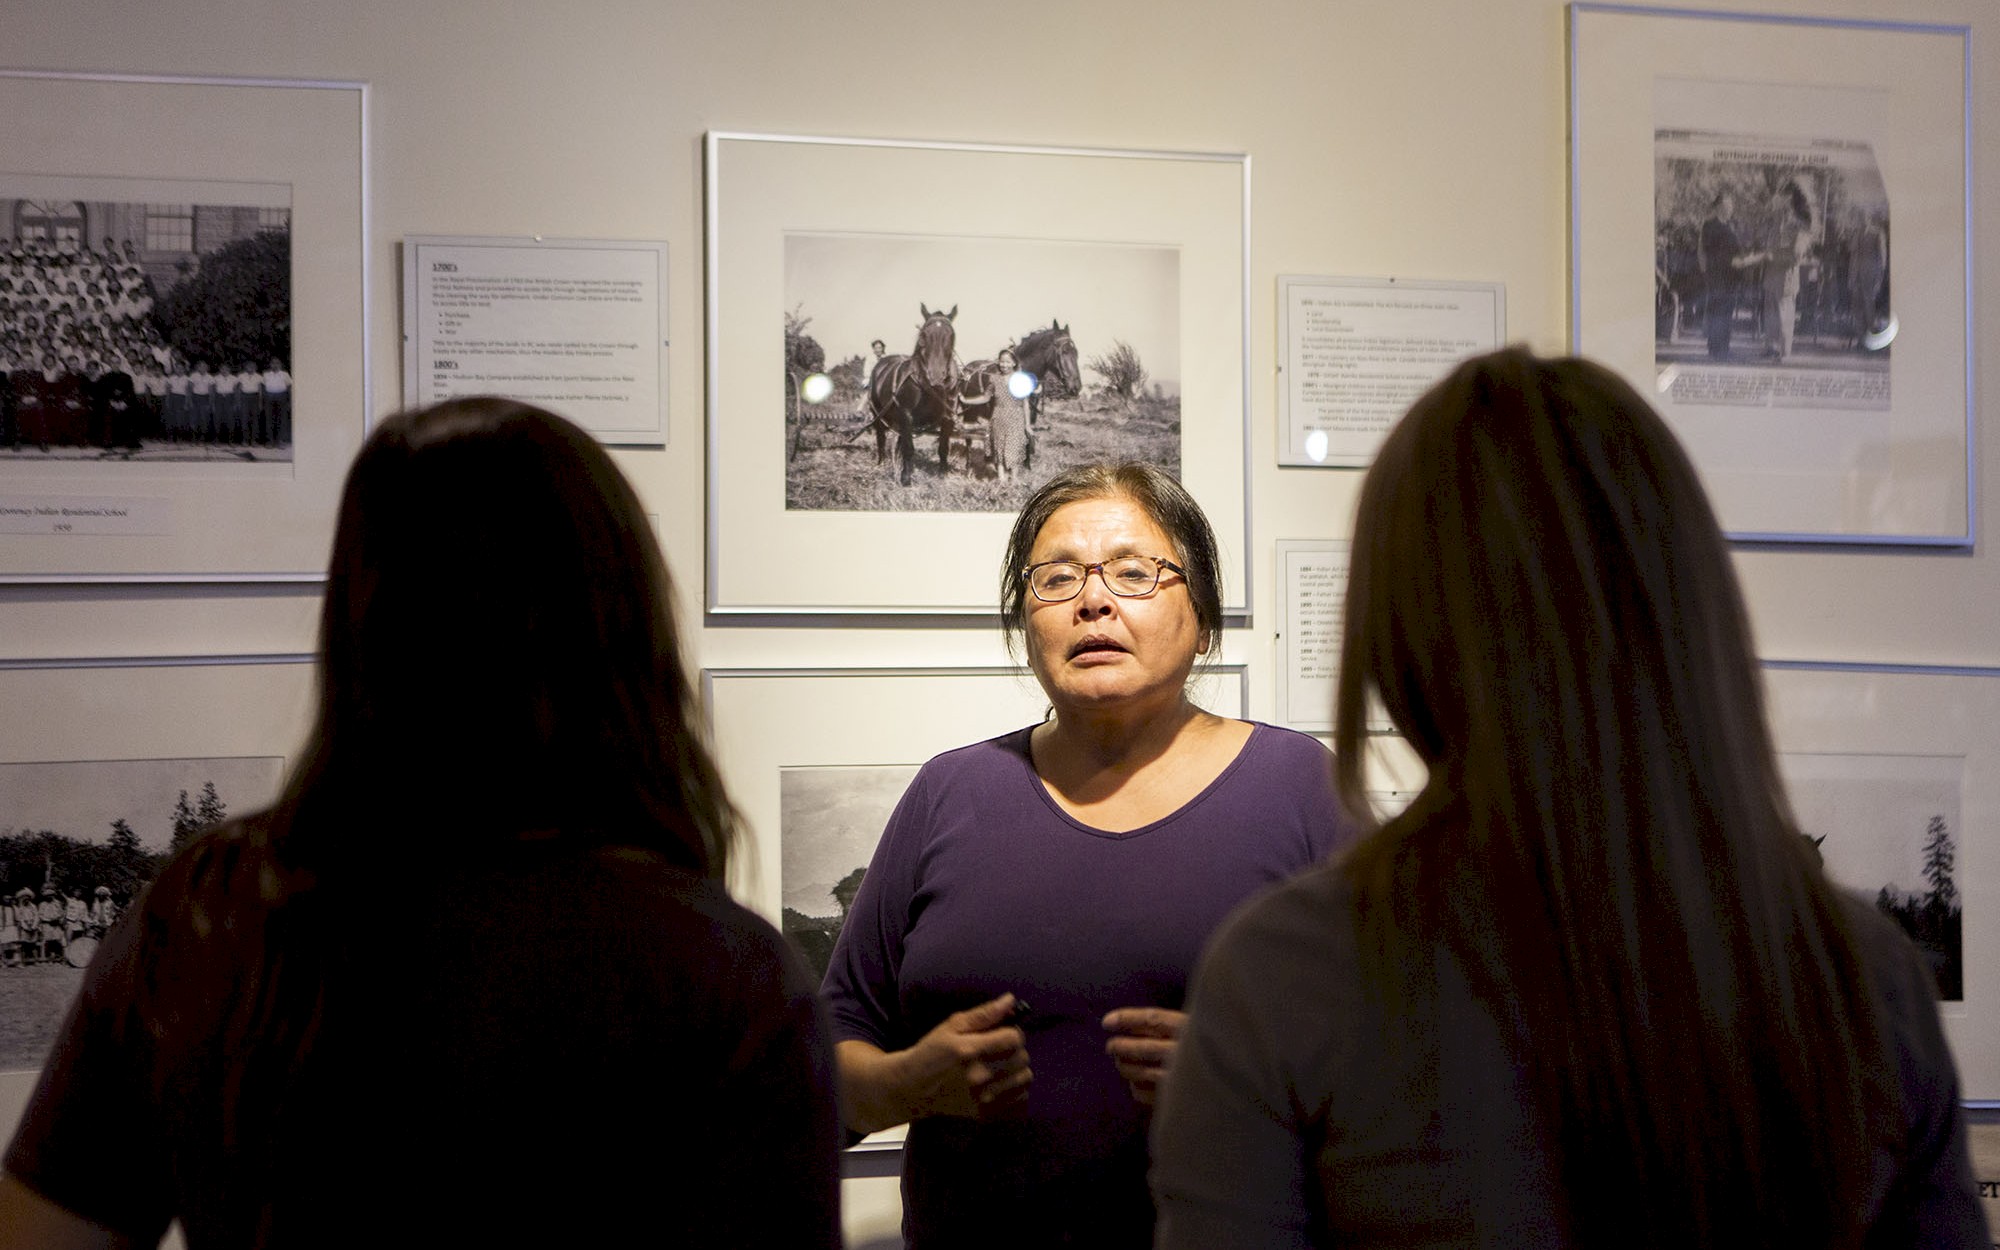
[(1142, 1045)]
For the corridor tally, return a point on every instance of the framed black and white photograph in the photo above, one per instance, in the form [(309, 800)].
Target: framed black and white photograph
[(816, 758), (1894, 772), (183, 324), (1889, 826), (106, 767), (900, 328), (829, 820), (1805, 324), (167, 337), (1115, 396), (78, 840)]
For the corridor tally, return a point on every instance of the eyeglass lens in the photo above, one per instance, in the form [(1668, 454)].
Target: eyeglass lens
[(1127, 576)]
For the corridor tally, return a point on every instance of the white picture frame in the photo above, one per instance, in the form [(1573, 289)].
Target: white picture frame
[(167, 708), (766, 558), (139, 521), (1815, 411), (1888, 728)]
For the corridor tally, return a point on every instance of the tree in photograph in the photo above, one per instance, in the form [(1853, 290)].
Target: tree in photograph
[(235, 307), (208, 808), (1123, 373), (848, 373), (124, 842), (1938, 865), (846, 888), (185, 825), (803, 354), (124, 864)]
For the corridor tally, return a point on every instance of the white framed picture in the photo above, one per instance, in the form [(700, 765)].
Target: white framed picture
[(1794, 292), (1894, 771), (860, 296), (184, 291)]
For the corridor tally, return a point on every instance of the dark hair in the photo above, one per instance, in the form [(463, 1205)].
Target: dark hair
[(1163, 499), (1543, 602), (497, 650), (498, 658)]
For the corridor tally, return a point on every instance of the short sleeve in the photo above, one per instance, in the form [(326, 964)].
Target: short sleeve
[(863, 976), (88, 1141)]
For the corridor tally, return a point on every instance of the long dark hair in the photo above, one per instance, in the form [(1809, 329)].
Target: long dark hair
[(1542, 600), (497, 649), (498, 658)]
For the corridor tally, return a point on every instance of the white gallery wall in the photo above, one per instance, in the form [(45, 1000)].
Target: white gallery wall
[(1420, 139)]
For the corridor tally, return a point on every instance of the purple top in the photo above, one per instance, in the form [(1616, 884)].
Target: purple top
[(981, 885)]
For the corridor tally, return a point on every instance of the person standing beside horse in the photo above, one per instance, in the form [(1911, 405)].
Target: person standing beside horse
[(861, 401), (1008, 441), (1010, 976)]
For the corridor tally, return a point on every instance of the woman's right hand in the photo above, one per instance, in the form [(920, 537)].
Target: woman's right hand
[(973, 1064)]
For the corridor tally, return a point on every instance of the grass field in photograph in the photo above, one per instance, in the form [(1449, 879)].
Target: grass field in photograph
[(834, 468)]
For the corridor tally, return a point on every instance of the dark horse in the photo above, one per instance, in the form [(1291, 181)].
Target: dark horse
[(917, 393), (1049, 356)]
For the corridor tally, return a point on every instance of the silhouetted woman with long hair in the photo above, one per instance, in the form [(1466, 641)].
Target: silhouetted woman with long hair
[(1591, 988), (474, 978)]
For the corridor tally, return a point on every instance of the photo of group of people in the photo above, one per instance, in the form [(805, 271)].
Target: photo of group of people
[(53, 928), (139, 330), (79, 842), (1771, 254)]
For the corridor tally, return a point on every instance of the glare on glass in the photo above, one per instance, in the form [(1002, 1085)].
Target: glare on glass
[(1055, 581)]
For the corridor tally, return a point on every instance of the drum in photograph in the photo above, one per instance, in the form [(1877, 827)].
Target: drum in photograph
[(79, 950)]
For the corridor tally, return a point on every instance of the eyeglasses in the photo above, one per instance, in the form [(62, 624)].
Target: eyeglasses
[(1057, 581)]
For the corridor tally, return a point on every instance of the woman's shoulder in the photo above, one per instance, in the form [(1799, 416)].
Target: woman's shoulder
[(1287, 959), (998, 759), (1312, 909), (1895, 966), (1289, 744)]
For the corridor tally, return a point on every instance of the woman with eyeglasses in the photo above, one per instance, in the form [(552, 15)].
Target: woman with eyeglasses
[(1010, 977)]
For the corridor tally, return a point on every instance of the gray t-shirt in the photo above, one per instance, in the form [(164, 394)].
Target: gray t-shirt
[(1298, 1116)]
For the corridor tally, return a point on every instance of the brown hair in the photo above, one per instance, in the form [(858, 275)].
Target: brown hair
[(1543, 602), (498, 657)]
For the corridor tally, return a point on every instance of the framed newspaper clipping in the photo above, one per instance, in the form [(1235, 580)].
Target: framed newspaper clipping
[(1794, 294), (905, 339)]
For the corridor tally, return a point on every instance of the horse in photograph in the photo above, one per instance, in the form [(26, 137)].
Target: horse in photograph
[(1049, 356), (917, 393)]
